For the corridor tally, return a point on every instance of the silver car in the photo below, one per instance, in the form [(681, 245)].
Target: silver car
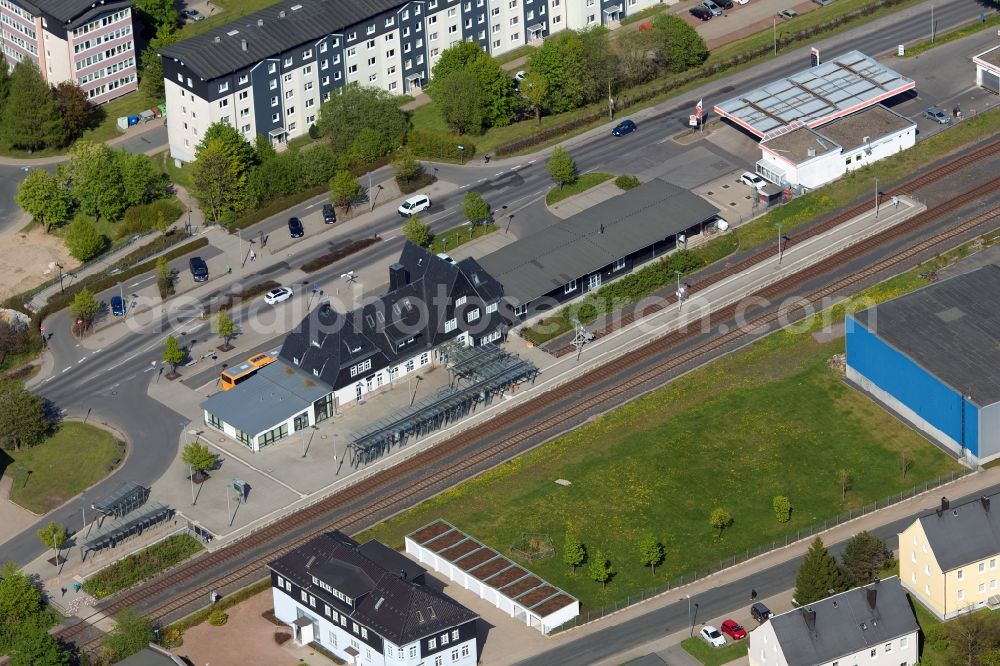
[(712, 7), (937, 115)]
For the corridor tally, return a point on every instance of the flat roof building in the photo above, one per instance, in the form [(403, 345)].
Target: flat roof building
[(988, 69)]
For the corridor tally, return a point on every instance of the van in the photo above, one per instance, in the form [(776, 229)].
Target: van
[(761, 613), (199, 269), (712, 7)]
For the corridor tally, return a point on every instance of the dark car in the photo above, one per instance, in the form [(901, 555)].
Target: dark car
[(199, 269), (701, 13), (295, 228), (623, 128), (761, 613), (117, 306), (725, 4), (329, 214)]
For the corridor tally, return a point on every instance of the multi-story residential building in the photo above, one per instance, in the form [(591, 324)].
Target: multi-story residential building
[(871, 625), (267, 73), (87, 42), (368, 604), (948, 558)]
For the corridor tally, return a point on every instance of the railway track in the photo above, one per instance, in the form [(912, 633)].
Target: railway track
[(359, 504), (764, 254)]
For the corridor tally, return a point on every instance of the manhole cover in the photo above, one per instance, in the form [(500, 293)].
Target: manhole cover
[(710, 193), (322, 436), (733, 204), (725, 186)]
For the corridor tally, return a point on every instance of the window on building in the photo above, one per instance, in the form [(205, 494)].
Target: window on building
[(873, 652), (243, 95), (272, 67), (223, 87), (492, 307), (454, 655), (413, 652), (352, 69), (274, 101), (465, 650), (308, 53), (960, 574), (275, 117), (361, 367), (438, 660), (460, 301), (619, 265), (371, 62), (444, 639), (961, 595), (223, 103), (570, 287), (513, 20), (289, 94), (352, 36), (370, 30), (322, 47)]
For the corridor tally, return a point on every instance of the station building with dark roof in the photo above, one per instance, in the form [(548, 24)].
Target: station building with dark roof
[(369, 604), (931, 357)]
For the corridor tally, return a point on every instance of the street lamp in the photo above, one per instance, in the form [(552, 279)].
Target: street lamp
[(876, 197), (83, 499), (461, 152), (121, 295), (378, 192), (193, 433), (680, 296), (60, 267), (690, 622), (778, 225)]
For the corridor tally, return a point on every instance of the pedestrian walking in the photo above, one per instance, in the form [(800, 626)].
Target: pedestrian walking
[(253, 256), (753, 595), (895, 202), (76, 587), (63, 591)]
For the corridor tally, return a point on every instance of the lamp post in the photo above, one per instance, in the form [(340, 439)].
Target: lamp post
[(779, 242), (461, 152), (774, 28), (193, 433), (121, 295), (690, 622), (377, 192), (60, 267), (876, 197), (83, 499), (680, 296)]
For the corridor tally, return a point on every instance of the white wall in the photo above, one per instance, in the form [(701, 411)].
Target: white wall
[(765, 650), (188, 116), (881, 148)]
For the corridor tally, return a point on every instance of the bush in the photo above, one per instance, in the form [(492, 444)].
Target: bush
[(140, 219), (782, 508), (419, 183), (325, 260), (232, 298), (141, 566), (150, 249), (270, 208), (627, 182), (217, 617), (432, 146)]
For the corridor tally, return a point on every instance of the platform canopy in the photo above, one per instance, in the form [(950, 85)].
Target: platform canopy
[(110, 535), (815, 96), (123, 499)]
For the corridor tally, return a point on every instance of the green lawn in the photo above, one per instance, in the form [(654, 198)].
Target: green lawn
[(126, 105), (932, 652), (582, 184), (958, 33), (180, 175), (73, 459), (449, 240), (771, 419), (710, 656), (231, 10)]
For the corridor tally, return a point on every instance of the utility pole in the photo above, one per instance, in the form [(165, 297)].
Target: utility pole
[(680, 296), (779, 242), (932, 24), (611, 103), (876, 197), (774, 28), (60, 266)]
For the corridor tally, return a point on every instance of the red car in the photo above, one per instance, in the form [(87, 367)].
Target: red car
[(733, 630)]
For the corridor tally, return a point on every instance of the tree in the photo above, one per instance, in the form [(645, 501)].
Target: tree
[(198, 456), (31, 118), (574, 552), (406, 169), (344, 189), (864, 555), (14, 338), (85, 306), (650, 552), (678, 46), (232, 141), (844, 479), (83, 240), (970, 635), (634, 62), (33, 645), (417, 232), (141, 182), (561, 167), (782, 508), (224, 327), (218, 180), (535, 90), (22, 417), (173, 353), (598, 67), (355, 108), (905, 463), (164, 277), (720, 519), (19, 598), (96, 180), (53, 536), (460, 101), (157, 13), (818, 576), (367, 147), (561, 61), (132, 633), (74, 107), (601, 569), (151, 64), (475, 208), (43, 195), (483, 78)]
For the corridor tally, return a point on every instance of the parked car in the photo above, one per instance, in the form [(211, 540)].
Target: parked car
[(277, 295), (415, 204), (712, 7), (742, 2), (192, 14), (712, 636), (732, 629), (787, 14), (329, 214), (700, 12), (761, 613), (199, 269), (295, 228), (445, 257), (725, 4), (822, 2), (937, 115), (753, 180), (117, 306), (624, 127)]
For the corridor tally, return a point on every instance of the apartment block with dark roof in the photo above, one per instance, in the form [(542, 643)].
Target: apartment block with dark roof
[(369, 605), (86, 42)]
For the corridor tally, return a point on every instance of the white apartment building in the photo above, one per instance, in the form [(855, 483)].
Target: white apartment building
[(268, 72), (87, 42)]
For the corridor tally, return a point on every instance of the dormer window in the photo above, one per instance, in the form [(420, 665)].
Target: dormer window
[(459, 302), (364, 366)]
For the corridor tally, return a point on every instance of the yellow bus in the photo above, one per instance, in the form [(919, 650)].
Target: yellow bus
[(247, 369)]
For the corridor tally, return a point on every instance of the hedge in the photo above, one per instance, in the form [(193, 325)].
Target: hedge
[(325, 260), (230, 299), (273, 208), (433, 146), (418, 183), (140, 219), (141, 566)]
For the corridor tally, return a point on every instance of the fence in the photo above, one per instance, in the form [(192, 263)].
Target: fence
[(738, 558)]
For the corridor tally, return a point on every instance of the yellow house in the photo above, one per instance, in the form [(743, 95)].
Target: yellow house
[(948, 559)]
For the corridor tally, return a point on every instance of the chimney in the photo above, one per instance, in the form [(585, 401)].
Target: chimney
[(811, 152), (402, 574), (986, 503), (871, 593), (281, 14), (243, 44), (809, 615), (397, 277), (944, 506), (217, 39)]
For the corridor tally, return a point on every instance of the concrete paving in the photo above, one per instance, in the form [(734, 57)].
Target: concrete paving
[(578, 203)]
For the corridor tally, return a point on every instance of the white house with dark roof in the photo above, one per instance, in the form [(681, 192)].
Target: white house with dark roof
[(867, 626), (368, 604)]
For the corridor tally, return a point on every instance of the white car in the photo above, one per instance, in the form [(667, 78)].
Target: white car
[(278, 295), (415, 204), (712, 636), (742, 2), (753, 180)]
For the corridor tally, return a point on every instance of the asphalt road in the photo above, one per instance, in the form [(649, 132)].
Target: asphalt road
[(110, 385)]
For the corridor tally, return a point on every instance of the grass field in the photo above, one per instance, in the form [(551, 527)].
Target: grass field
[(452, 238), (931, 652), (771, 419), (68, 462), (582, 184), (710, 656)]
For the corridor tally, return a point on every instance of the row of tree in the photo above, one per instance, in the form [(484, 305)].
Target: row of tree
[(820, 575), (36, 116)]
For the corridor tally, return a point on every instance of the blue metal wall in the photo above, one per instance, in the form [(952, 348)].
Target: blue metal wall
[(911, 385)]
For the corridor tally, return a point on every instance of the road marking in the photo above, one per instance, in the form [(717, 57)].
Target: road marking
[(48, 380), (65, 370), (531, 161), (98, 351), (81, 360), (313, 205), (663, 140), (462, 187), (136, 284), (499, 174), (481, 180)]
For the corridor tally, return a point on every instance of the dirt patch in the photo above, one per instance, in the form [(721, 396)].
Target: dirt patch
[(28, 259)]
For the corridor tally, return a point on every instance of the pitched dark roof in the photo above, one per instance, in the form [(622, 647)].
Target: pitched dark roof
[(399, 610), (951, 328), (69, 11), (964, 533), (312, 20), (535, 265), (327, 341), (845, 623)]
